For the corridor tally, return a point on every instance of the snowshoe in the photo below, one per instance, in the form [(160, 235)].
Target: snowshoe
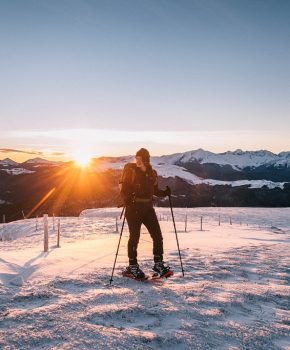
[(161, 270), (134, 272)]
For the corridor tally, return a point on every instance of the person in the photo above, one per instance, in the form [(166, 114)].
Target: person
[(139, 183)]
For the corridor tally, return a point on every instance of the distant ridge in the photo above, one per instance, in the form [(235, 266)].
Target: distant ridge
[(8, 161), (41, 161), (237, 159)]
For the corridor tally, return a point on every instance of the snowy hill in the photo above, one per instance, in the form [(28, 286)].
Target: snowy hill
[(235, 293)]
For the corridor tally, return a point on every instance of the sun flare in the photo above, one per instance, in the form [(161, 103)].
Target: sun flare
[(82, 159)]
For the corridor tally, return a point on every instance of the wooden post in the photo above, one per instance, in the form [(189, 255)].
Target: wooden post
[(117, 228), (185, 228), (201, 223), (219, 220), (230, 220), (58, 233), (45, 227)]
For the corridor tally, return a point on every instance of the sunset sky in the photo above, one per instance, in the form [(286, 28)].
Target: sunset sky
[(108, 77)]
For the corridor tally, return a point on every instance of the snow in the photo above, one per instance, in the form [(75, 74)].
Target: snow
[(105, 163), (168, 170), (17, 171), (250, 183), (235, 293)]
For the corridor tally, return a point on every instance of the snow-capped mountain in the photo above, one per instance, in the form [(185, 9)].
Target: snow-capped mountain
[(253, 168), (39, 161), (237, 159), (8, 162)]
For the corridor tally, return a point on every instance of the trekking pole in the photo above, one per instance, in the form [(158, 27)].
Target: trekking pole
[(111, 280), (176, 235), (122, 213)]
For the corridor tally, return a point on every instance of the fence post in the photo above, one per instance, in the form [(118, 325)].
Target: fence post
[(230, 220), (219, 220), (58, 233), (45, 227), (117, 228), (201, 223)]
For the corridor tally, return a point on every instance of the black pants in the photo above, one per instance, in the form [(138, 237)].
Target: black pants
[(136, 215)]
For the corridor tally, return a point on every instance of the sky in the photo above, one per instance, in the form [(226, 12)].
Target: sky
[(107, 77)]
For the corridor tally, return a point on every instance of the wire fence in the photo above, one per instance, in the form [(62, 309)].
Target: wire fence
[(107, 221)]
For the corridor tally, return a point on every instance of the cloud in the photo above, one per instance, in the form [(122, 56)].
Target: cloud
[(39, 153), (58, 154), (12, 150)]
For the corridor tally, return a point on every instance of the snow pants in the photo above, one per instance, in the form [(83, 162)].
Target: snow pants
[(136, 215)]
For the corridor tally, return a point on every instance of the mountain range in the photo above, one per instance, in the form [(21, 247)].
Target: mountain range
[(197, 178)]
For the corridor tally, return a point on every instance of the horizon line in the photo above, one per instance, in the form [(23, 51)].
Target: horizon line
[(40, 154)]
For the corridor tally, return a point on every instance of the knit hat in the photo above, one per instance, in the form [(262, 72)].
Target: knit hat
[(144, 154)]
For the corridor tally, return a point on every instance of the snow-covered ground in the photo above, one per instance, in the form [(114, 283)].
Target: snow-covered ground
[(235, 293)]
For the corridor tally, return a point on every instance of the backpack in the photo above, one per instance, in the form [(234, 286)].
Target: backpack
[(129, 175)]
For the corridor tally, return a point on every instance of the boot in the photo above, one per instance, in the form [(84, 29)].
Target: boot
[(161, 269), (134, 271)]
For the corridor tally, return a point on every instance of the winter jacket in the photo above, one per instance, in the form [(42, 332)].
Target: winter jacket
[(138, 185)]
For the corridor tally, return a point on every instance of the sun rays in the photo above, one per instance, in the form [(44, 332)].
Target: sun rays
[(70, 185)]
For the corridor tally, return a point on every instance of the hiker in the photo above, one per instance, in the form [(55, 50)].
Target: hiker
[(139, 182)]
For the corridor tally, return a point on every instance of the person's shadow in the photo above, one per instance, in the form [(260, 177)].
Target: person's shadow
[(20, 274)]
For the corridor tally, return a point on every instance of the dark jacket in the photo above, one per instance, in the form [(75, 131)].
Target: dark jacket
[(138, 185)]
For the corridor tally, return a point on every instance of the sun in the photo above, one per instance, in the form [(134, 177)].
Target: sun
[(82, 159)]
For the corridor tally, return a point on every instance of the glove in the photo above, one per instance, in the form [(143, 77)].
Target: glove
[(167, 192)]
